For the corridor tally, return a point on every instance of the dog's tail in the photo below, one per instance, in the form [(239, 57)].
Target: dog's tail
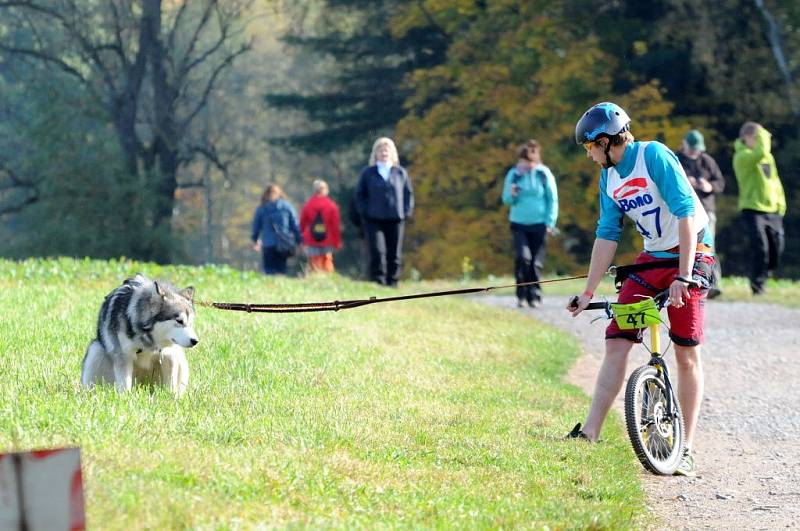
[(96, 367)]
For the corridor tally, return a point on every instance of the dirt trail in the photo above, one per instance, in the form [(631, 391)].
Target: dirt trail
[(748, 441)]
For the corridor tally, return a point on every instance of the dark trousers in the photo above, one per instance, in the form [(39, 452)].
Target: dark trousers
[(385, 239), (274, 262), (529, 250), (765, 231)]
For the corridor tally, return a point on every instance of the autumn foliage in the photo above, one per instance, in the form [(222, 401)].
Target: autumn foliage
[(515, 72)]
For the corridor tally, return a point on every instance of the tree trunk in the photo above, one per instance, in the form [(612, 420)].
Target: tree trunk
[(165, 142), (124, 109), (775, 42)]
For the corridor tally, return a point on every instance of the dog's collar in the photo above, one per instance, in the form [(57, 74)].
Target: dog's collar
[(159, 351)]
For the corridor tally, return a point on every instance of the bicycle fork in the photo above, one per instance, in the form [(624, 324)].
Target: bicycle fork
[(657, 361)]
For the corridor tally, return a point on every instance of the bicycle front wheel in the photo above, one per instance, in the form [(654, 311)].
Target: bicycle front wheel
[(656, 434)]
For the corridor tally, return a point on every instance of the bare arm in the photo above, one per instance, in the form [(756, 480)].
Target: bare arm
[(603, 253), (679, 291)]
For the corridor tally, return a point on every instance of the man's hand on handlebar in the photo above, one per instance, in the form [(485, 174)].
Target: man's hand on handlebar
[(578, 303)]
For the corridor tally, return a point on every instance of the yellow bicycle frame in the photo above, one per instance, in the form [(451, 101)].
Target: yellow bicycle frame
[(655, 337)]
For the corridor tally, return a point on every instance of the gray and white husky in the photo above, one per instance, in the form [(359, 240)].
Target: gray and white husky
[(141, 331)]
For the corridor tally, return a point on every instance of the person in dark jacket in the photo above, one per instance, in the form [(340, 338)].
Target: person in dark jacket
[(320, 224), (707, 180), (385, 200), (274, 215)]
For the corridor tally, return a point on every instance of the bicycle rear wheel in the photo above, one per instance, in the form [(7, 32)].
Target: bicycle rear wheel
[(656, 435)]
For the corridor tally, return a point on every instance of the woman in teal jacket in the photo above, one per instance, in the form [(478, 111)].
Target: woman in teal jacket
[(530, 189)]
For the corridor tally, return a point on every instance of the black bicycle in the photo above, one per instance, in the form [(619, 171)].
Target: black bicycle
[(652, 413)]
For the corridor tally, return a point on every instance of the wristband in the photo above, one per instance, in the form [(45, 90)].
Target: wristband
[(588, 293), (683, 279)]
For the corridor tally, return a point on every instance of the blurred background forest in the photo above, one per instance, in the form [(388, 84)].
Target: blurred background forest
[(149, 128)]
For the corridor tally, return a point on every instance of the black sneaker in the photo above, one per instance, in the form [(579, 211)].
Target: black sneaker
[(576, 433), (713, 293)]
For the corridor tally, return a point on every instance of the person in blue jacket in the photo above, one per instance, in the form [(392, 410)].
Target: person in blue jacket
[(274, 219), (385, 200), (530, 189)]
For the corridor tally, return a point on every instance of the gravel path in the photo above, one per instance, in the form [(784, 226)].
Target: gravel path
[(748, 440)]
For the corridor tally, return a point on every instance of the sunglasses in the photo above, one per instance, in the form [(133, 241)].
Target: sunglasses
[(589, 145)]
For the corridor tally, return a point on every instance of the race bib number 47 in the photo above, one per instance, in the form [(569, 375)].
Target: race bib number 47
[(636, 315)]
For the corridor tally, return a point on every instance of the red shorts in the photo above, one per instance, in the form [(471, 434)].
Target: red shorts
[(686, 323)]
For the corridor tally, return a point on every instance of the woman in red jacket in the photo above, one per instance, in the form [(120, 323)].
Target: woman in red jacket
[(321, 228)]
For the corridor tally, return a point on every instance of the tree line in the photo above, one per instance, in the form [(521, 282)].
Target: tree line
[(147, 129)]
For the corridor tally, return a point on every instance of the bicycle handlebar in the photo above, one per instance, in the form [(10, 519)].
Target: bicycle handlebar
[(596, 306), (661, 299), (573, 303)]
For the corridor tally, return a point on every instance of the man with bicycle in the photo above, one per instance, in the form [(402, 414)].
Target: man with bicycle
[(645, 181)]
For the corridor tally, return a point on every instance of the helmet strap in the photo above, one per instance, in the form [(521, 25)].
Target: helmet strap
[(608, 156)]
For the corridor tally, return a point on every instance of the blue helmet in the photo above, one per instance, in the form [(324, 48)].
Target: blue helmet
[(603, 119)]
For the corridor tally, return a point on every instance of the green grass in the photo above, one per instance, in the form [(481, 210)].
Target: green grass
[(439, 413)]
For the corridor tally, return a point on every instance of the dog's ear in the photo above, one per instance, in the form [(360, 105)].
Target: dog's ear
[(160, 289), (188, 293), (138, 277)]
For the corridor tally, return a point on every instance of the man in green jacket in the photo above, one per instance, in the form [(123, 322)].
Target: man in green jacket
[(761, 200)]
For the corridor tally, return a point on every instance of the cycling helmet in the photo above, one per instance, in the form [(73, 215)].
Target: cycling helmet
[(604, 119)]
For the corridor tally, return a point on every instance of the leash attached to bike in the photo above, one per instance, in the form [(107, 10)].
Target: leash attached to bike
[(335, 306), (620, 273)]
